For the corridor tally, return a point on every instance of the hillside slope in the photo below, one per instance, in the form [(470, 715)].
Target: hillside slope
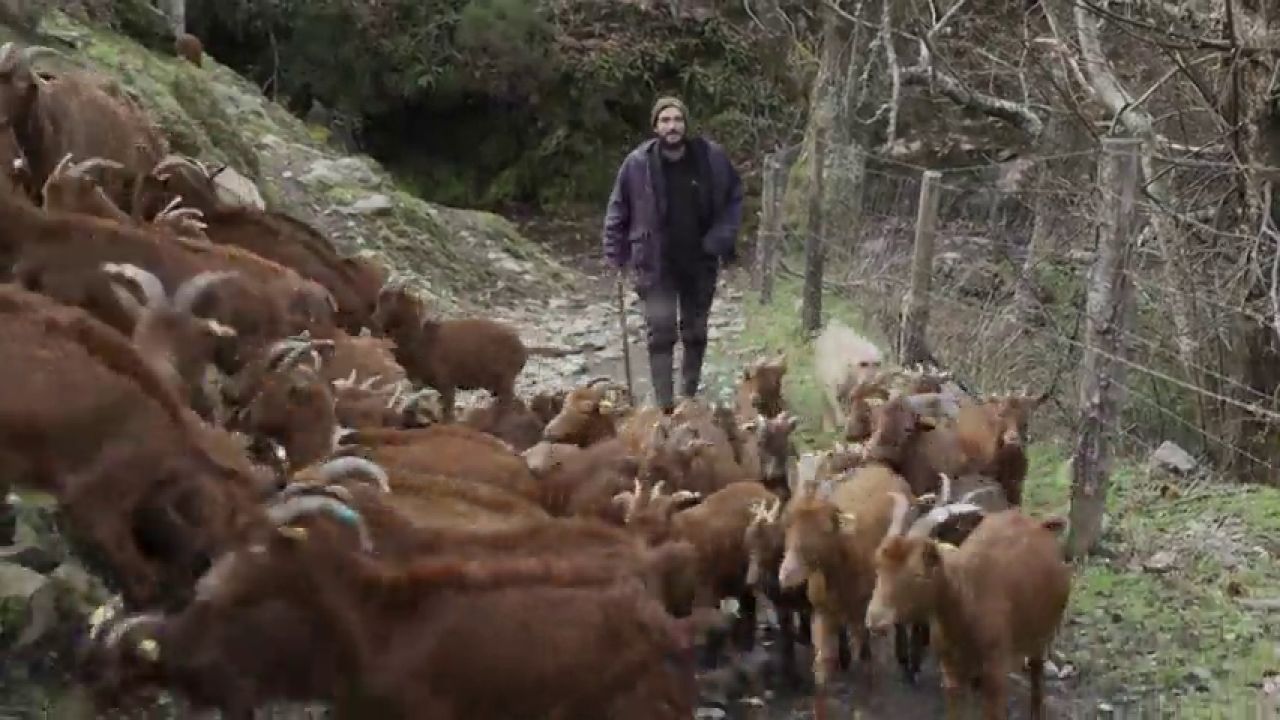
[(457, 258)]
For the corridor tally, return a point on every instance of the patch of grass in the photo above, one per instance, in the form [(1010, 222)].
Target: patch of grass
[(777, 327), (1142, 628)]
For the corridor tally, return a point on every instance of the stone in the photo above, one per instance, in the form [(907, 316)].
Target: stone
[(19, 583), (236, 189), (1161, 562), (1171, 457), (369, 205)]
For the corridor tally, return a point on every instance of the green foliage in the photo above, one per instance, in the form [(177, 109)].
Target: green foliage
[(498, 100)]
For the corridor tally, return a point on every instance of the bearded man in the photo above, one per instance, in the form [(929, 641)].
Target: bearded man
[(672, 222)]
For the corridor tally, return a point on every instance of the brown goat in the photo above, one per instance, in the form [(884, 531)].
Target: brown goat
[(765, 543), (1012, 414), (453, 451), (357, 358), (15, 174), (513, 422), (441, 616), (72, 188), (293, 406), (768, 451), (760, 389), (127, 462), (61, 255), (178, 345), (451, 355), (994, 603), (426, 501), (715, 527), (452, 523), (584, 483), (587, 415), (908, 436), (832, 532), (353, 282), (189, 48), (74, 114)]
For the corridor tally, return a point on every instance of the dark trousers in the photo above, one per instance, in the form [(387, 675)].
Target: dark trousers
[(679, 303)]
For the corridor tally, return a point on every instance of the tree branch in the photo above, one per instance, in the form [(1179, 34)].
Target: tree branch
[(1018, 115)]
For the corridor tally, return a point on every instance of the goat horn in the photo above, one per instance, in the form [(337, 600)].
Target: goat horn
[(898, 525), (152, 288), (368, 383), (334, 469), (279, 349), (923, 527), (292, 508), (395, 398), (656, 492), (83, 167), (969, 496), (296, 489), (944, 496), (775, 509), (412, 399), (117, 631), (193, 289), (61, 168)]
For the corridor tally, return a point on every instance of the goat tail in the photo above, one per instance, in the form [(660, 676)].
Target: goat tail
[(552, 351)]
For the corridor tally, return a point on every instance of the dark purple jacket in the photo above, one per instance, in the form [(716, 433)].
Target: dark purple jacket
[(635, 221)]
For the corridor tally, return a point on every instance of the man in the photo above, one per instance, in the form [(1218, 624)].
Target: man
[(673, 219)]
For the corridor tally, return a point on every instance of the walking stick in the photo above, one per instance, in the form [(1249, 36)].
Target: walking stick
[(626, 340)]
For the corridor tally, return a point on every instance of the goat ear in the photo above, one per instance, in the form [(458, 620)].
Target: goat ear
[(748, 372)]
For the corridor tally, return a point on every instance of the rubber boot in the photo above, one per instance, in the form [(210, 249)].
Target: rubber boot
[(691, 370), (661, 368)]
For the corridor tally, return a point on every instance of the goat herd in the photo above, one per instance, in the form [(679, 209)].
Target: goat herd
[(255, 440)]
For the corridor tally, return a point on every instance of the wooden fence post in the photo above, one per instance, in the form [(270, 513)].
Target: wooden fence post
[(767, 238), (814, 252), (1107, 307), (915, 306)]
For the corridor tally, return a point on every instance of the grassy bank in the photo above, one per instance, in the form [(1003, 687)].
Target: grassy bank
[(1169, 610)]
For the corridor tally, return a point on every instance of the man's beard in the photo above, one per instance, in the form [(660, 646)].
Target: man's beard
[(672, 141)]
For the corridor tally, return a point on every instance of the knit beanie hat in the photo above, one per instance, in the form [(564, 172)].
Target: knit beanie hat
[(667, 102)]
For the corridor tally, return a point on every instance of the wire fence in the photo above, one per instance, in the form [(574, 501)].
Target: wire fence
[(1009, 279)]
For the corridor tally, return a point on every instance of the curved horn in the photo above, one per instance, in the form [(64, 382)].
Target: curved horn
[(172, 162), (969, 496), (83, 167), (924, 525), (944, 496), (193, 289), (293, 508), (117, 631), (898, 524), (335, 469), (295, 489), (152, 288), (280, 349), (61, 168)]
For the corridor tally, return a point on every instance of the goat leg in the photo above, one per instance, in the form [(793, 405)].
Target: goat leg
[(1035, 676), (745, 624), (995, 694)]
